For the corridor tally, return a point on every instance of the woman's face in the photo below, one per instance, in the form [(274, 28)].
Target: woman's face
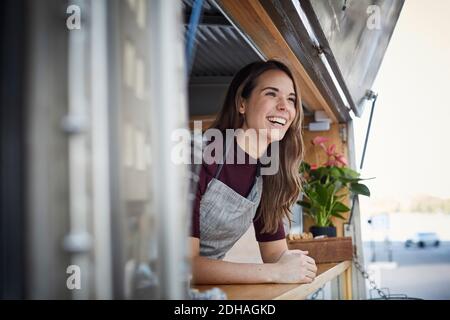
[(271, 105)]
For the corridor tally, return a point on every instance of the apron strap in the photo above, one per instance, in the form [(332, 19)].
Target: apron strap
[(258, 168)]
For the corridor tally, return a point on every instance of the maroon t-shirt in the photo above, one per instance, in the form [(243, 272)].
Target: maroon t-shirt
[(239, 177)]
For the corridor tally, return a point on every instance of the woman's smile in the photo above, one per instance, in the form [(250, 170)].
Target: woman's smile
[(277, 122)]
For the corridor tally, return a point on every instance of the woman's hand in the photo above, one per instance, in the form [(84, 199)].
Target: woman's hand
[(294, 266)]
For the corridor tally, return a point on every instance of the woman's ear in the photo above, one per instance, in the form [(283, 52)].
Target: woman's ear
[(242, 106)]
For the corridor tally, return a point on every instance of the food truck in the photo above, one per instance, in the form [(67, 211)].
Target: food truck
[(92, 205)]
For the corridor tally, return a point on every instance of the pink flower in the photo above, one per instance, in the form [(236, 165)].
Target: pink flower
[(319, 140), (331, 149), (334, 158), (341, 159)]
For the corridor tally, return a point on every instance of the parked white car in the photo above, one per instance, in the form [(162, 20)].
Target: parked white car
[(423, 239)]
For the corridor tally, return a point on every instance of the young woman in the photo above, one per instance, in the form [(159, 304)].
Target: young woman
[(230, 196)]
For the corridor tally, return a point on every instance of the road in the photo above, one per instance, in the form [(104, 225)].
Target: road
[(421, 273), (417, 272)]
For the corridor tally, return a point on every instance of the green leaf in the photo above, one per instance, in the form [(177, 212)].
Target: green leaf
[(349, 173), (335, 214), (305, 167), (323, 195), (330, 191), (311, 194), (304, 204), (351, 180), (340, 207), (335, 172), (359, 188), (320, 173)]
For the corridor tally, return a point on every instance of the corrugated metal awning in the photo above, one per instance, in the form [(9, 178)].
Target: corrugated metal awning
[(220, 49)]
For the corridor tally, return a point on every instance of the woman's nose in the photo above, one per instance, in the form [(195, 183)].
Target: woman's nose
[(282, 104)]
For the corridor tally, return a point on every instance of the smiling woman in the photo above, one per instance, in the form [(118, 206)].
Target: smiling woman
[(262, 98), (271, 106)]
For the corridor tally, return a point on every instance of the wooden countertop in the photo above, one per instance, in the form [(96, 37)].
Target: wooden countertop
[(325, 273)]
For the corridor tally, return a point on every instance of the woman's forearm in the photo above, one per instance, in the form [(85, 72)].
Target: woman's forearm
[(210, 271)]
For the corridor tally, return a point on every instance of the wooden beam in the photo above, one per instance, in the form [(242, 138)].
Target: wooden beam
[(207, 121), (348, 284), (252, 19)]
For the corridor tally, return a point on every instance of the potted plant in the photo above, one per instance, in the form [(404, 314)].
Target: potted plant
[(325, 186)]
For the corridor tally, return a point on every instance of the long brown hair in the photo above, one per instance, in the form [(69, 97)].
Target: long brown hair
[(281, 190)]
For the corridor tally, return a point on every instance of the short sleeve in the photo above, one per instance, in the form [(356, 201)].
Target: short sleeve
[(258, 223)]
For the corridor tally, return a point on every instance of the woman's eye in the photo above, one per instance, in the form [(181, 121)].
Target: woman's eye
[(292, 100), (272, 94)]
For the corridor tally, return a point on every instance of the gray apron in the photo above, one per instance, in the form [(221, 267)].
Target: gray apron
[(225, 215)]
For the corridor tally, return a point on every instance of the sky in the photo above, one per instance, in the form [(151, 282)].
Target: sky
[(409, 144)]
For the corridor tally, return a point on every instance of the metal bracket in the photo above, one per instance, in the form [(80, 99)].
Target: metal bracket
[(74, 124), (343, 133), (77, 242)]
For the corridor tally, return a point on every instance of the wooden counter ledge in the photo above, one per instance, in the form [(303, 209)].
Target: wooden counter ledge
[(325, 273)]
